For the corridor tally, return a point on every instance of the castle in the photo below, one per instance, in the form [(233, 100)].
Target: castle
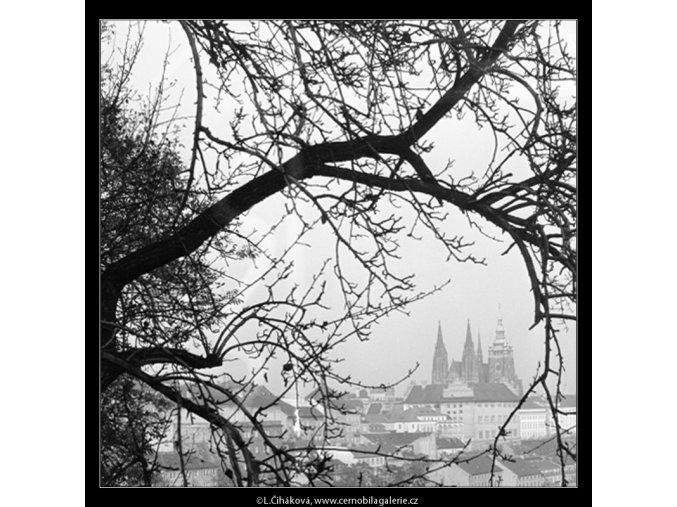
[(471, 369)]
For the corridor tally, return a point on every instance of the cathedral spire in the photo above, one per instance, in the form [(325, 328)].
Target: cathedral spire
[(440, 359), (479, 347), (439, 345), (470, 365), (468, 335), (468, 347)]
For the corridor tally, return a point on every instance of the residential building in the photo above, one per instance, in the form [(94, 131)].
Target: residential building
[(357, 455), (551, 471), (477, 410), (520, 473), (344, 410), (400, 443), (415, 419), (473, 471), (310, 418), (533, 417), (350, 415), (449, 447), (567, 416)]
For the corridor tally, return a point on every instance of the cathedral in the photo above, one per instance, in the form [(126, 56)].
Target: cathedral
[(471, 369)]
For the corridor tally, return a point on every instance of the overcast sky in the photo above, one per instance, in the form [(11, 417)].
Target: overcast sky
[(475, 291)]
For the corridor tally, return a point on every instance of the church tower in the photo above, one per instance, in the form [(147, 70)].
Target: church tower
[(440, 359), (501, 362), (470, 365), (480, 360)]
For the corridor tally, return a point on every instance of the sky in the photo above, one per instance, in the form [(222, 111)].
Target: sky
[(474, 294)]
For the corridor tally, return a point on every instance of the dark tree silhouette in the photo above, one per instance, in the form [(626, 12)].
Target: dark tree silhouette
[(333, 117), (133, 422)]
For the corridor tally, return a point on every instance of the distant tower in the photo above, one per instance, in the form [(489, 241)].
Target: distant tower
[(440, 359), (470, 365), (480, 360), (501, 362)]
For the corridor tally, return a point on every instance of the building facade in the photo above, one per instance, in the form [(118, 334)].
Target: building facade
[(567, 415), (533, 419), (475, 472), (474, 411), (520, 473)]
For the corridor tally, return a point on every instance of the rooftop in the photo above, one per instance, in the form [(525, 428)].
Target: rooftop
[(411, 415), (434, 393), (569, 401), (310, 413), (449, 443), (395, 439), (542, 447), (478, 465), (520, 467), (252, 397), (336, 400), (531, 404), (550, 465)]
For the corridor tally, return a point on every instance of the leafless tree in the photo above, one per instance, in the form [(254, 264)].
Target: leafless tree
[(334, 117)]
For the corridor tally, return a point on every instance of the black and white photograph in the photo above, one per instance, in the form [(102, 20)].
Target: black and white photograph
[(338, 253), (337, 261)]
